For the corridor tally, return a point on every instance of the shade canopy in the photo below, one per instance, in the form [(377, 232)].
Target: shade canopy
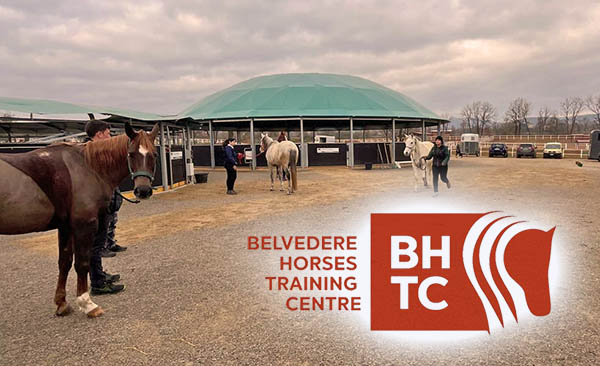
[(51, 107), (307, 95)]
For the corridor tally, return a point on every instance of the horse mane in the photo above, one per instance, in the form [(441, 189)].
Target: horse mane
[(102, 155), (267, 141)]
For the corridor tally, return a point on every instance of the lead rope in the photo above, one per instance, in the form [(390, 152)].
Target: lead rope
[(127, 199)]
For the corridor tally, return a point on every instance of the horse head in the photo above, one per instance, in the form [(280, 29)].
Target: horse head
[(409, 143), (141, 159), (265, 141)]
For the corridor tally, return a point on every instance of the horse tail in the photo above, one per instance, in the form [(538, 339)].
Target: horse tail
[(294, 173)]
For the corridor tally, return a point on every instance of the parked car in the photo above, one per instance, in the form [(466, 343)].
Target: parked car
[(498, 150), (553, 150), (526, 150)]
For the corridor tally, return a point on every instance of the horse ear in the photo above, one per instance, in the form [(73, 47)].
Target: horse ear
[(129, 131), (154, 132)]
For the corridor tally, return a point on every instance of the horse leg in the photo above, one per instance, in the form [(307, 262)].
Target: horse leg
[(281, 173), (416, 174), (425, 176), (84, 237), (271, 177), (289, 177), (430, 171), (65, 261)]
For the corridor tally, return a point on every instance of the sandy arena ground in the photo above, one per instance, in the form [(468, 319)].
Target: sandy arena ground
[(195, 295)]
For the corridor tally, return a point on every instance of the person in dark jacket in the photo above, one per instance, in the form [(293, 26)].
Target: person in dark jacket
[(102, 282), (230, 164), (441, 156), (458, 152)]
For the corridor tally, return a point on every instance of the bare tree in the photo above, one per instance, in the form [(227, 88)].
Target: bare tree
[(544, 116), (554, 125), (487, 112), (477, 115), (516, 114), (571, 107), (468, 116), (593, 104)]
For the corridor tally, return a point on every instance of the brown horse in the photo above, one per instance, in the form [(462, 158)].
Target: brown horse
[(68, 187)]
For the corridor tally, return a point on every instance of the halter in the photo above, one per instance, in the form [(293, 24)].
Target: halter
[(139, 173), (412, 152)]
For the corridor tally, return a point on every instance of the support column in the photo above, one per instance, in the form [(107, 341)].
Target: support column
[(253, 165), (189, 158), (423, 130), (163, 158), (212, 144), (351, 142), (439, 128), (393, 142), (170, 160), (303, 152)]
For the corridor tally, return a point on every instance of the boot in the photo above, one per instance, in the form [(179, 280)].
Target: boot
[(107, 288), (117, 248), (107, 253), (110, 278)]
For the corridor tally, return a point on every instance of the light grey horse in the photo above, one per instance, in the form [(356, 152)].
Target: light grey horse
[(417, 150), (284, 156)]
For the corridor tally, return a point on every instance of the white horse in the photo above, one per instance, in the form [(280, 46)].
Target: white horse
[(417, 150), (284, 156)]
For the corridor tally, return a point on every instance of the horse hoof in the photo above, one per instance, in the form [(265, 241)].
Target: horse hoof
[(95, 313), (64, 309)]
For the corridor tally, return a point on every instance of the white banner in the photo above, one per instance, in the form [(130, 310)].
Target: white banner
[(328, 150)]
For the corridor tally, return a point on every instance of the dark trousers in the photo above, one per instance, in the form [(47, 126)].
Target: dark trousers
[(231, 176), (111, 228), (439, 172), (96, 272)]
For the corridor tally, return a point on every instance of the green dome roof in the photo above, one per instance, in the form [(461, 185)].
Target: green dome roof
[(307, 95)]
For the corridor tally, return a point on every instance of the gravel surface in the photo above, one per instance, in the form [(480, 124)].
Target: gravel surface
[(196, 295)]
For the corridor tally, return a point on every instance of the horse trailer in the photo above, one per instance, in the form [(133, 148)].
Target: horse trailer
[(469, 144), (595, 145)]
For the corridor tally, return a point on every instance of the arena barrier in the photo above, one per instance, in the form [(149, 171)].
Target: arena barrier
[(329, 154), (201, 155)]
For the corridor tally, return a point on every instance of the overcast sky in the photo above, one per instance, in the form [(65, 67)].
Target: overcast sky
[(165, 55)]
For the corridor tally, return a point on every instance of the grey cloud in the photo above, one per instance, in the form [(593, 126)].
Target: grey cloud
[(161, 56)]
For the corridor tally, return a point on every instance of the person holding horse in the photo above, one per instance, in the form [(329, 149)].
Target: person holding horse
[(68, 186), (230, 164), (441, 156), (104, 282)]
